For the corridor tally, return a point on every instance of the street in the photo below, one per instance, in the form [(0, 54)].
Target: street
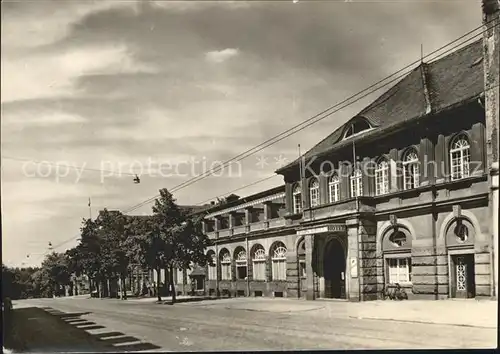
[(250, 324)]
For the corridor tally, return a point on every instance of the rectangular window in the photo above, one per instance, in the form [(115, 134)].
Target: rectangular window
[(279, 269), (180, 276), (356, 186), (241, 270), (259, 270), (382, 181), (226, 271), (411, 175), (334, 192), (297, 203), (199, 284), (314, 197), (212, 272), (399, 270)]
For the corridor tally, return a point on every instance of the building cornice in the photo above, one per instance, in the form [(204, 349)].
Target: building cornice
[(242, 206)]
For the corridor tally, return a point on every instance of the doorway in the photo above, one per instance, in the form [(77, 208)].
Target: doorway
[(462, 276), (334, 270), (301, 265)]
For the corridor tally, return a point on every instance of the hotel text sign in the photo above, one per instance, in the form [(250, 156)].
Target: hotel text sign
[(322, 229)]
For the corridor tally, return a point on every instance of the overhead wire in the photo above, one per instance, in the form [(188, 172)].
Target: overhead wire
[(316, 118)]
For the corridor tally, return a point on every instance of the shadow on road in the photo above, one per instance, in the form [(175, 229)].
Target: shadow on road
[(48, 330), (119, 342)]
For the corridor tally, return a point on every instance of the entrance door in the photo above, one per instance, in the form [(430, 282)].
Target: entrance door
[(334, 270), (463, 284), (301, 264)]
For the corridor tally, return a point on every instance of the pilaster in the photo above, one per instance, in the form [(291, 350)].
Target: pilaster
[(289, 198), (477, 152), (352, 260), (345, 186), (309, 240), (394, 167), (440, 158), (368, 170), (426, 158), (323, 189)]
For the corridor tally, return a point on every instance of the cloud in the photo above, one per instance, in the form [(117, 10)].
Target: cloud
[(42, 119), (53, 74), (120, 81), (219, 56)]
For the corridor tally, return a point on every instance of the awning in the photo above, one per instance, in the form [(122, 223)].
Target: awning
[(198, 271)]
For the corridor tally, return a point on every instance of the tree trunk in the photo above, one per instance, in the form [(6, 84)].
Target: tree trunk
[(123, 287), (158, 280), (171, 277), (97, 286)]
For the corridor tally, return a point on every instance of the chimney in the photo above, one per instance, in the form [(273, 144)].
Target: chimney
[(491, 65)]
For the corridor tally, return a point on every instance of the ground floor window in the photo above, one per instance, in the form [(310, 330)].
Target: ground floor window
[(279, 269), (226, 271), (259, 269), (212, 273), (399, 270), (241, 265), (199, 284), (180, 276)]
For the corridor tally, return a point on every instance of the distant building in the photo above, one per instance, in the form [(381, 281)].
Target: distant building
[(414, 207)]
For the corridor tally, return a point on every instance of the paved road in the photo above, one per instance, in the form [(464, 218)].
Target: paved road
[(187, 327)]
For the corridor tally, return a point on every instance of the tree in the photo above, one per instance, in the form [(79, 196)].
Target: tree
[(112, 236), (87, 254), (177, 240), (137, 244), (55, 265), (189, 245)]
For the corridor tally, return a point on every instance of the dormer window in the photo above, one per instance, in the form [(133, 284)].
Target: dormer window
[(356, 127)]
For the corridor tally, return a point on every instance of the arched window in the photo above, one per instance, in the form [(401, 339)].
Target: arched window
[(356, 183), (314, 193), (334, 188), (411, 172), (397, 241), (297, 199), (279, 261), (382, 177), (259, 263), (212, 268), (241, 263), (460, 157), (225, 263)]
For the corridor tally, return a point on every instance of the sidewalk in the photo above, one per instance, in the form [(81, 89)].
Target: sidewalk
[(447, 312), (166, 299)]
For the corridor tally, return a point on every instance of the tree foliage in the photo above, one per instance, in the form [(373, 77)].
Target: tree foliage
[(171, 238), (113, 243)]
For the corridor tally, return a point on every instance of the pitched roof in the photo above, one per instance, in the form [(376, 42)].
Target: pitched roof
[(426, 90)]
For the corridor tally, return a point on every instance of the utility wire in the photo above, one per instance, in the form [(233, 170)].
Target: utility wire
[(238, 189), (315, 118), (180, 186)]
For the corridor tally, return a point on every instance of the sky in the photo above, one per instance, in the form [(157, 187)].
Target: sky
[(167, 90)]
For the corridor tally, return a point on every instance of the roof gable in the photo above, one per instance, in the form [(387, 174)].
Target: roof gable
[(427, 89)]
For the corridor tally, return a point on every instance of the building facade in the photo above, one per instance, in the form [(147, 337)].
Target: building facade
[(405, 193)]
